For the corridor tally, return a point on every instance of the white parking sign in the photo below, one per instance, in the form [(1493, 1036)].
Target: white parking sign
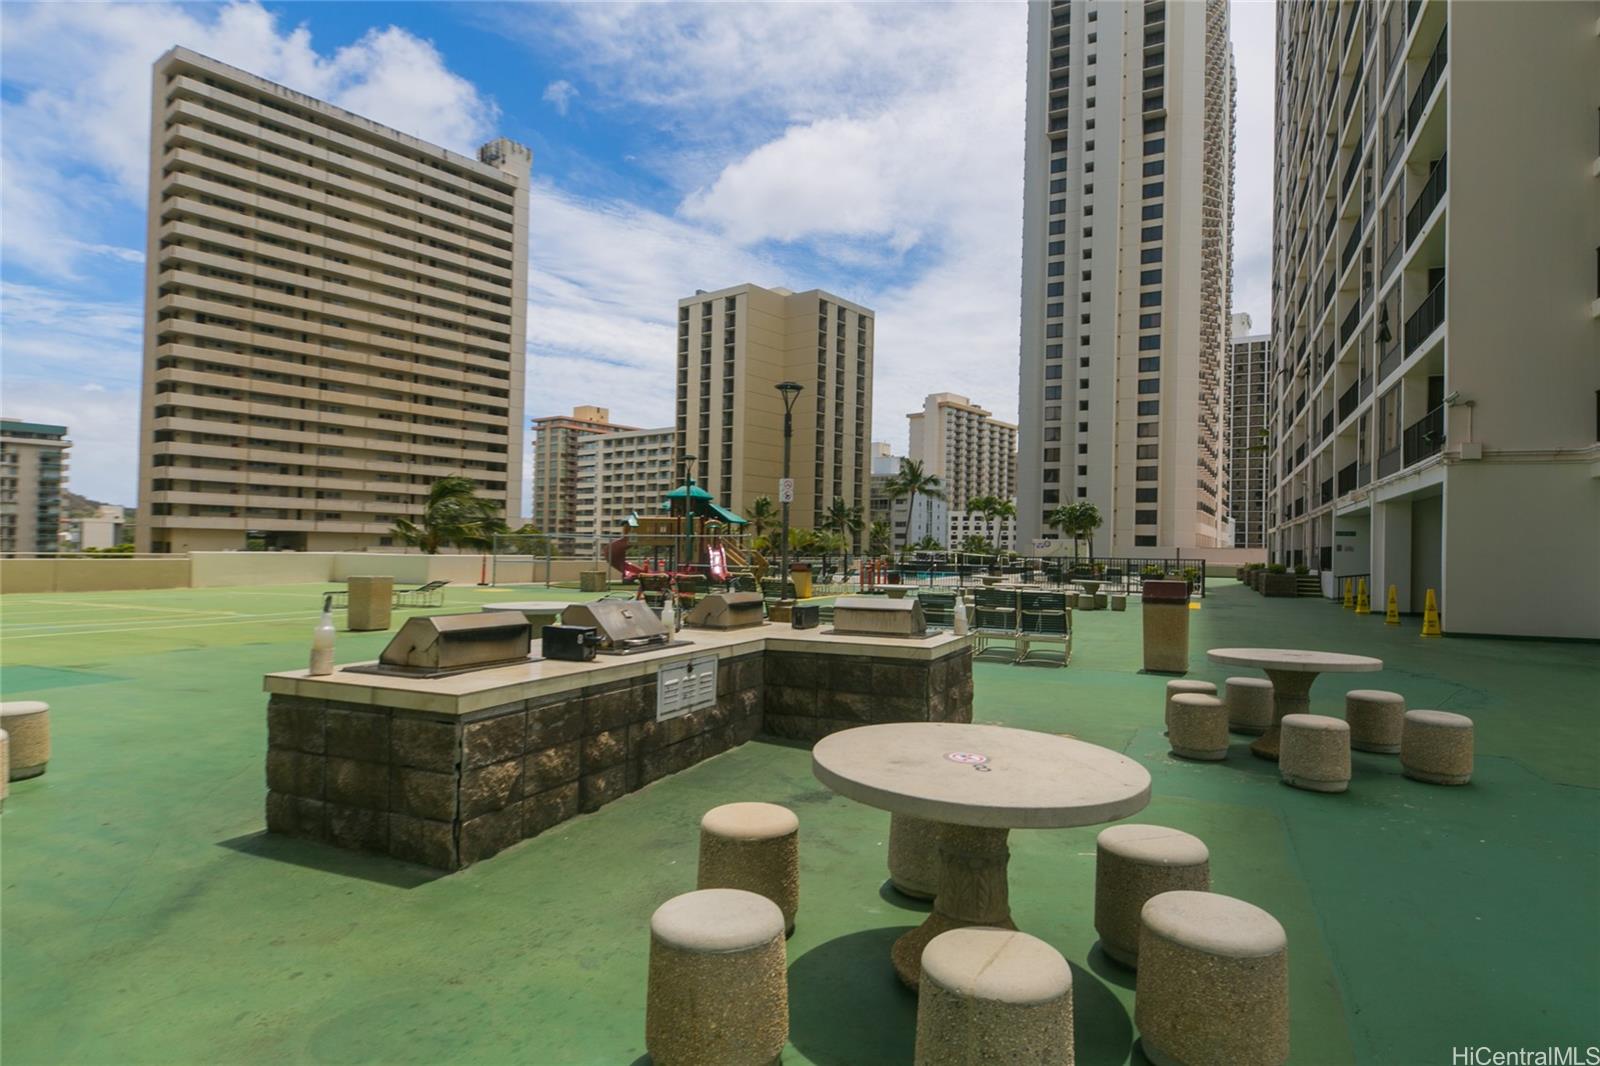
[(786, 490)]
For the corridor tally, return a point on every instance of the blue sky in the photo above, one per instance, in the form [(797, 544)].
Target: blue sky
[(871, 149)]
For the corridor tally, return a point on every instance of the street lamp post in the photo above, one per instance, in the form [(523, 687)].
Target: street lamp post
[(790, 391), (685, 553)]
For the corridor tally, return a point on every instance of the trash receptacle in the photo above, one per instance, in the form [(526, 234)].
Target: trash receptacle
[(1166, 626), (800, 577)]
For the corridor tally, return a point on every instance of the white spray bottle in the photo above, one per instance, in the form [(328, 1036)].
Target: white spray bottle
[(322, 641)]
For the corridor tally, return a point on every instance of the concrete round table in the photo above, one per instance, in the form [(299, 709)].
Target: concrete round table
[(540, 613), (979, 782), (1291, 672), (897, 592)]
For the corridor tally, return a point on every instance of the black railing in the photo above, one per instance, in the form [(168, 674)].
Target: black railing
[(1325, 493), (1352, 244), (1424, 437), (1425, 85), (1432, 192), (1349, 400), (1348, 326), (1388, 462), (1347, 479), (1428, 317)]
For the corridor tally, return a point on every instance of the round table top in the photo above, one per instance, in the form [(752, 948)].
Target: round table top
[(1294, 659), (530, 606), (981, 775)]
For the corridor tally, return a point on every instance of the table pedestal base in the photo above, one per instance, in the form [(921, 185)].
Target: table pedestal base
[(973, 890), (1291, 694)]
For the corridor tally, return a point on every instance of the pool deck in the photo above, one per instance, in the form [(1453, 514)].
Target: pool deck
[(146, 917)]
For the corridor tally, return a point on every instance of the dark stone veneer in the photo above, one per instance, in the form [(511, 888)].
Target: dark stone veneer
[(446, 790)]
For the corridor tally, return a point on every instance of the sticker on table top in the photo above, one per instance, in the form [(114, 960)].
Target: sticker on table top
[(969, 758)]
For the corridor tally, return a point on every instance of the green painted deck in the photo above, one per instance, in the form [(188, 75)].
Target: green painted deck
[(147, 918)]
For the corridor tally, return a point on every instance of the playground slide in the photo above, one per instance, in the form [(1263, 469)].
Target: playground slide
[(718, 563), (617, 554)]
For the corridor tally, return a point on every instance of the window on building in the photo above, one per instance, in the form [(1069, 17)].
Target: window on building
[(1053, 329), (1083, 449), (1050, 496), (1151, 147), (1143, 541), (1148, 386), (1083, 471), (1058, 227), (1155, 124), (1058, 185), (1154, 167), (1057, 207), (1052, 351), (1055, 270), (1057, 248), (1150, 233), (1052, 373), (1150, 299), (1149, 429), (1149, 344), (1151, 321), (1148, 451), (1147, 212), (1052, 432), (1146, 473), (1151, 191), (1052, 392), (1150, 255), (1058, 165), (1052, 310), (1150, 364), (1144, 518), (1149, 277), (1054, 288), (1149, 407), (1052, 414)]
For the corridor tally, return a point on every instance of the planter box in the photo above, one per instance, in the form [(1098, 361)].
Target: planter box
[(1280, 584)]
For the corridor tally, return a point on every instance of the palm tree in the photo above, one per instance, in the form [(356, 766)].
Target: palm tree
[(983, 505), (913, 481), (454, 516), (976, 544), (762, 514), (825, 543), (1003, 509), (1088, 520), (880, 539), (844, 520)]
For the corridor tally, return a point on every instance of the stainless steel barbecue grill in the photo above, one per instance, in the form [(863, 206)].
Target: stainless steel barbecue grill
[(625, 626), (444, 644)]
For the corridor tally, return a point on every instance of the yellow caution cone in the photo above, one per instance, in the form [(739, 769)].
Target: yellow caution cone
[(1349, 594), (1430, 616), (1391, 617), (1363, 605)]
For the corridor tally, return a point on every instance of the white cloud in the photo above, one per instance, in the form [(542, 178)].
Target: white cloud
[(561, 94), (1253, 51), (76, 143)]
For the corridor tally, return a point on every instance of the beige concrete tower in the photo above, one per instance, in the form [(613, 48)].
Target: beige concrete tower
[(1246, 496), (734, 346), (334, 318), (620, 474), (557, 441), (972, 453), (1126, 282), (33, 471), (1436, 306)]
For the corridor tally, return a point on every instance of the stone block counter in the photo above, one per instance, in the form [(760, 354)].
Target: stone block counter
[(447, 772)]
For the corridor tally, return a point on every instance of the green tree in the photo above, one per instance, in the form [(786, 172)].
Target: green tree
[(880, 539), (763, 513), (844, 520), (1003, 509), (1089, 519), (826, 543), (977, 544), (914, 481), (453, 516), (928, 544)]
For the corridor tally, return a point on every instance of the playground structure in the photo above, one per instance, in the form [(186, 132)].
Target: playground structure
[(697, 543)]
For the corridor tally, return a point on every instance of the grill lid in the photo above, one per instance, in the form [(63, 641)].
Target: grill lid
[(459, 641), (878, 617), (622, 624), (727, 610)]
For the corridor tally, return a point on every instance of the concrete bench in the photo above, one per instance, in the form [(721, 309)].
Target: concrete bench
[(993, 995), (718, 984), (1213, 984)]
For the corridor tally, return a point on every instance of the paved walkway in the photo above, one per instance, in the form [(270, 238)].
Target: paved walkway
[(145, 918)]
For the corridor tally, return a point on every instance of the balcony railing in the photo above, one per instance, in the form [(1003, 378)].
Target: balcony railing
[(1350, 171), (1351, 244), (1424, 437), (1348, 401), (1325, 494), (1412, 7), (1425, 85), (1432, 192), (1347, 479), (1388, 462), (1428, 316), (1348, 326)]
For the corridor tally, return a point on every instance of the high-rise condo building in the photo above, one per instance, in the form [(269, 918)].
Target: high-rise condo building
[(1126, 275), (1436, 307), (557, 440), (1246, 495), (33, 471), (621, 474), (973, 454), (334, 317), (734, 346)]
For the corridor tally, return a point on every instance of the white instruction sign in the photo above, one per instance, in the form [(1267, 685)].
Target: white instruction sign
[(786, 490), (686, 686)]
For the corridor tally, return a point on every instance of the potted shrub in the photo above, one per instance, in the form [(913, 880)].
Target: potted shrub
[(1278, 581), (1191, 574)]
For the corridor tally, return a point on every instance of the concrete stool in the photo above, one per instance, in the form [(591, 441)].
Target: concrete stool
[(1101, 600), (754, 847), (1377, 718), (28, 722), (1178, 688), (993, 995), (914, 856), (1199, 727), (1213, 983), (1085, 602), (718, 987), (5, 767), (1314, 752), (1249, 701), (1119, 602), (1132, 864), (1436, 747)]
